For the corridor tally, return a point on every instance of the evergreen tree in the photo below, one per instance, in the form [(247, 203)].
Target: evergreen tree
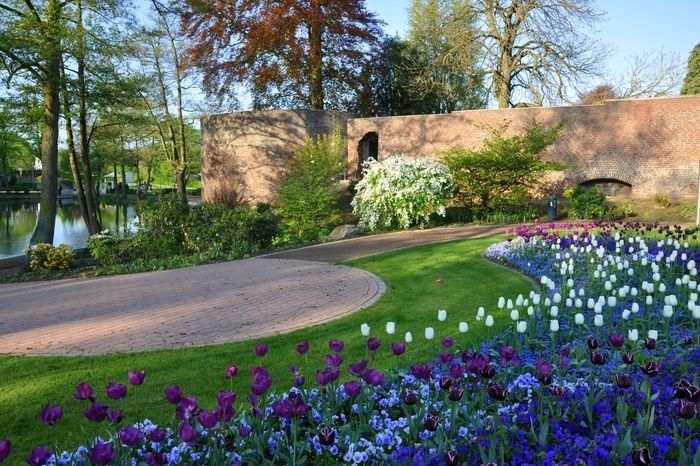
[(691, 84)]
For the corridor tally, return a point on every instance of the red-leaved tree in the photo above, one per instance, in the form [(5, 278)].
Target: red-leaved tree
[(289, 53)]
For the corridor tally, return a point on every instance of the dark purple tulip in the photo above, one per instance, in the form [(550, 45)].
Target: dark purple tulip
[(97, 412), (290, 407), (496, 391), (686, 409), (173, 394), (225, 399), (455, 393), (688, 340), (543, 367), (39, 456), (446, 358), (445, 383), (333, 360), (244, 431), (477, 364), (187, 408), (187, 433), (358, 368), (116, 391), (488, 371), (447, 342), (83, 392), (208, 419), (421, 371), (650, 343), (410, 397), (398, 348), (651, 368), (158, 435), (231, 371), (336, 345), (131, 436), (260, 349), (261, 385), (373, 377), (259, 373), (326, 436), (592, 342), (457, 371), (115, 416), (51, 414), (597, 358), (628, 358), (693, 394), (299, 380), (224, 413), (616, 340), (373, 343), (352, 388), (623, 381), (508, 354), (451, 458), (563, 355), (303, 347), (557, 391), (102, 453), (5, 449), (155, 459), (136, 377), (641, 457), (431, 422), (468, 355)]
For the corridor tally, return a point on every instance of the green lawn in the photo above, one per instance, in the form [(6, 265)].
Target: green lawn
[(419, 280)]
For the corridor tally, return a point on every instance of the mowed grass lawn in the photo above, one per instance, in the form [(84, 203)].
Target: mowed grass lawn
[(420, 280)]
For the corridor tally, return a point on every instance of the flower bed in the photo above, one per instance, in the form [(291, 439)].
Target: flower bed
[(601, 367)]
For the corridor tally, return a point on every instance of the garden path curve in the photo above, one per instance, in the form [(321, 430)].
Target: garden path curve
[(200, 305)]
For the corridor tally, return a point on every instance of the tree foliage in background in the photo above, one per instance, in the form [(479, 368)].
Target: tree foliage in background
[(691, 84), (598, 94), (307, 199), (15, 151), (289, 53), (504, 170)]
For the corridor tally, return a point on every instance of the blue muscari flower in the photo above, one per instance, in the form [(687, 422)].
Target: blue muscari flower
[(462, 432)]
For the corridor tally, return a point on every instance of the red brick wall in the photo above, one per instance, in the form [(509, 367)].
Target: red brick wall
[(651, 144)]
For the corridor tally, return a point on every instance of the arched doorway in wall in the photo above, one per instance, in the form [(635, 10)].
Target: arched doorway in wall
[(367, 148), (610, 186)]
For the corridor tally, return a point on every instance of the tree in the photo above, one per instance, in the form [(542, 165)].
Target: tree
[(14, 149), (535, 50), (293, 53), (650, 74), (598, 94), (691, 84)]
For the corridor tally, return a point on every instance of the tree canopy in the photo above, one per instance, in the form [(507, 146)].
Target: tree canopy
[(691, 84)]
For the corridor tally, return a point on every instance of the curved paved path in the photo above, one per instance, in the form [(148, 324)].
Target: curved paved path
[(200, 305)]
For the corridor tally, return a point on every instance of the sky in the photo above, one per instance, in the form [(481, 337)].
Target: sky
[(631, 27)]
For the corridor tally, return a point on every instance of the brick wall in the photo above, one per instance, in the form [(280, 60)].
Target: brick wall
[(247, 153), (651, 144)]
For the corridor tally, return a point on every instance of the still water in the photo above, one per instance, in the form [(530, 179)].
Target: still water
[(18, 219)]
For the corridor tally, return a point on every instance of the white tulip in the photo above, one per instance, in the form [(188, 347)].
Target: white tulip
[(489, 320), (598, 320), (429, 333), (578, 303), (554, 325), (612, 301), (581, 292), (626, 314), (653, 334), (364, 330), (530, 310), (480, 313), (408, 337), (579, 319), (556, 298), (569, 302), (522, 326), (554, 311), (633, 334), (696, 312), (608, 286), (649, 299), (519, 300), (463, 327), (662, 287), (390, 328), (514, 314), (668, 311), (590, 304), (635, 308), (598, 308), (536, 299), (442, 315), (547, 302), (501, 302), (634, 291)]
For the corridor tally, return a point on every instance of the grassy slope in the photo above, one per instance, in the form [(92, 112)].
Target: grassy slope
[(419, 281)]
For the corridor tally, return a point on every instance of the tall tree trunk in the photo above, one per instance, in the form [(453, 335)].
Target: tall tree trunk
[(125, 187), (116, 183), (315, 28), (181, 170)]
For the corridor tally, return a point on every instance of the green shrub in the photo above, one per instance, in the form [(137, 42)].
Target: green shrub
[(162, 226), (627, 210), (307, 198), (688, 211), (109, 250), (586, 202), (44, 257), (661, 201)]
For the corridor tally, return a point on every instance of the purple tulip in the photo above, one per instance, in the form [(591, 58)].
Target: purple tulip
[(5, 449), (187, 433), (259, 373), (299, 380), (225, 399), (97, 412), (116, 391), (688, 340), (358, 368), (455, 393), (468, 355), (686, 409), (597, 358), (291, 407), (543, 367), (187, 408), (373, 343), (231, 371), (260, 349), (557, 390), (333, 360), (115, 416), (641, 457), (446, 358), (303, 347), (155, 459), (102, 453), (373, 377), (51, 414), (173, 394), (336, 345), (158, 435), (457, 371), (496, 391), (398, 348), (623, 381), (628, 358), (477, 364), (131, 436), (208, 419), (136, 377), (83, 392), (421, 371), (651, 368), (488, 371), (447, 342), (431, 422), (445, 383), (650, 343), (451, 458), (410, 397), (261, 385), (324, 377), (616, 340), (509, 355), (39, 456), (352, 388), (244, 431), (326, 436), (592, 342)]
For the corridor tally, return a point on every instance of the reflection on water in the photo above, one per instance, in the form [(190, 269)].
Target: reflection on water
[(18, 219)]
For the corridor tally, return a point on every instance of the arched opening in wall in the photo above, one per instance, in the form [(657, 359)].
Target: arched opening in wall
[(610, 186), (368, 148)]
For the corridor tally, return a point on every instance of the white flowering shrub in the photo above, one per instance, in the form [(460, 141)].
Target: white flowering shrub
[(399, 193)]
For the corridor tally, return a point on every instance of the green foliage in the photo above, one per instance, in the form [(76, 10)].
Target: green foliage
[(398, 193), (44, 257), (627, 210), (691, 84), (586, 202), (688, 211), (661, 201), (109, 250), (504, 172), (307, 199), (162, 226)]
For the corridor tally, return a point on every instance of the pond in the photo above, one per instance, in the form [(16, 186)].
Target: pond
[(18, 219)]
